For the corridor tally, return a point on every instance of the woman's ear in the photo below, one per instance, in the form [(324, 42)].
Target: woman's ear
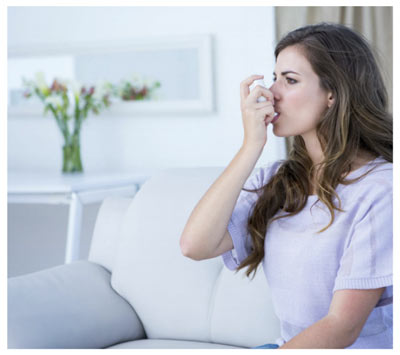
[(331, 99)]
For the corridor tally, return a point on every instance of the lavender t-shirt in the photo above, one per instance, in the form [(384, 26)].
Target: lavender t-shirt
[(304, 268)]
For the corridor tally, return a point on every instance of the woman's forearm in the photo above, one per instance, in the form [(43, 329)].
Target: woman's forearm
[(327, 333), (208, 221)]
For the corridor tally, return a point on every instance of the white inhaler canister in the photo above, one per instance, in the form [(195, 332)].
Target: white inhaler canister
[(261, 83)]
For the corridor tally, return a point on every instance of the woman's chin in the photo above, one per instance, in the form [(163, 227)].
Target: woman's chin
[(278, 131)]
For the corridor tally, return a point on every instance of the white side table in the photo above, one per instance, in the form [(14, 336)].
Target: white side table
[(74, 190)]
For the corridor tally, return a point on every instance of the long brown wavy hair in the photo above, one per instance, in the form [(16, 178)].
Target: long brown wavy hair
[(358, 121)]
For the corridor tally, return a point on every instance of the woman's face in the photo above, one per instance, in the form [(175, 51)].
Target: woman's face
[(298, 96)]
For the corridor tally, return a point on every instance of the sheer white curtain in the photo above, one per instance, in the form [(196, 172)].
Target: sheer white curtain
[(374, 22)]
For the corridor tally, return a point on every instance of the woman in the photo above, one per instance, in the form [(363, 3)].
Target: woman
[(320, 222)]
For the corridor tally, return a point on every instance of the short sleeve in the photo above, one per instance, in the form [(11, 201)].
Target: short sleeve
[(237, 226), (367, 261)]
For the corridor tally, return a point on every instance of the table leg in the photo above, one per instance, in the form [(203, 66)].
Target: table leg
[(74, 229)]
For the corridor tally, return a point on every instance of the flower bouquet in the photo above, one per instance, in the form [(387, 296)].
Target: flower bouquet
[(70, 103), (136, 88)]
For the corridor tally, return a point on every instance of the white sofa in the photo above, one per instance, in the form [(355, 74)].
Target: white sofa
[(137, 290)]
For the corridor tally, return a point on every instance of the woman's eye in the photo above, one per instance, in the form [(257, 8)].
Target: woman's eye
[(289, 80)]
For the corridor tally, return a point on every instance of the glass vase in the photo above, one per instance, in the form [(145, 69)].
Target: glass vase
[(72, 162)]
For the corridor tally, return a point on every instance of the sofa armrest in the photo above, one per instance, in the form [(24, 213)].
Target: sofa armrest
[(106, 231), (69, 306)]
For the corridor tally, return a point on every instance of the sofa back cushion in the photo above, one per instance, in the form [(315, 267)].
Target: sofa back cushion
[(176, 297)]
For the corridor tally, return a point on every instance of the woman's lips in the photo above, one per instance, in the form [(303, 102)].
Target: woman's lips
[(277, 114)]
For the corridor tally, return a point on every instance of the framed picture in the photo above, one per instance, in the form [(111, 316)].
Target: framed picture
[(183, 65)]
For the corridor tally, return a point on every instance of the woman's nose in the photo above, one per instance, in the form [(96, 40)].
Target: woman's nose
[(273, 88)]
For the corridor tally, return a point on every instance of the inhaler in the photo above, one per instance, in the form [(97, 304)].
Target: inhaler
[(261, 83)]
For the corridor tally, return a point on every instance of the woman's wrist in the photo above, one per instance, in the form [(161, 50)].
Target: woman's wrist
[(252, 148)]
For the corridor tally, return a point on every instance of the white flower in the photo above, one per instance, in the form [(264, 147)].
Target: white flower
[(76, 88), (55, 101), (40, 82), (148, 82), (101, 89), (137, 82)]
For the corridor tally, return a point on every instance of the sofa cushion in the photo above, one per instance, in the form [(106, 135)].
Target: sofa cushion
[(243, 313), (169, 344), (176, 297)]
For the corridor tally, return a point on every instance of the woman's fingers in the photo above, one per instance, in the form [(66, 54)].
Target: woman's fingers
[(246, 83), (255, 115), (260, 105), (267, 113), (259, 91)]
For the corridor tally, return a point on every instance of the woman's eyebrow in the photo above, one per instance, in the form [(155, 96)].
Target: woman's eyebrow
[(287, 72)]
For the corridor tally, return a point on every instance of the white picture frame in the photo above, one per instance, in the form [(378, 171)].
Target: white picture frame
[(196, 47)]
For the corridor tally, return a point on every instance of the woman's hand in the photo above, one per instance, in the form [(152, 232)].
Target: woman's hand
[(255, 115)]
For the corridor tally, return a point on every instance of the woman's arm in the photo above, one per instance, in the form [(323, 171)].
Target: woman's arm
[(207, 224), (205, 233), (340, 328)]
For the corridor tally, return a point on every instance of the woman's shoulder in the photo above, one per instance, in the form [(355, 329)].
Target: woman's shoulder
[(373, 179), (373, 194), (376, 171)]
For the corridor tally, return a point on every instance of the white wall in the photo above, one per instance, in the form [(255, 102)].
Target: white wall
[(243, 45)]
